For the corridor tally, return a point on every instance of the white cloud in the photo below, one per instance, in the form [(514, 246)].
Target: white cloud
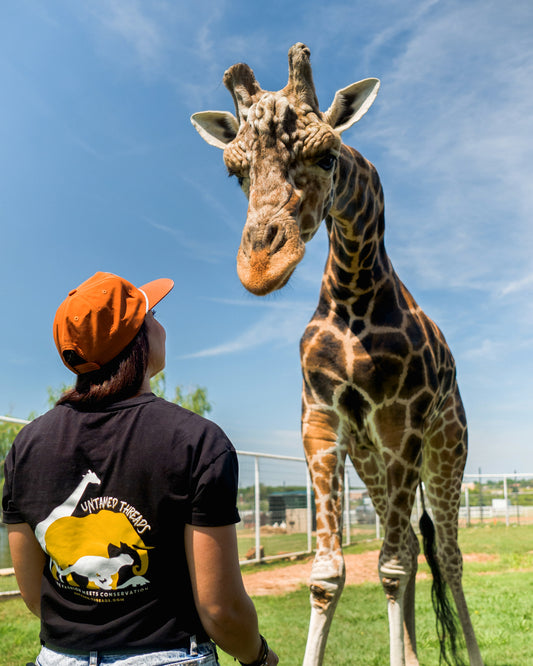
[(394, 29), (517, 286), (202, 250), (130, 21), (279, 325), (455, 117), (209, 196), (485, 349)]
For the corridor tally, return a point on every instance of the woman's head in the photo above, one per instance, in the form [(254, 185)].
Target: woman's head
[(105, 332)]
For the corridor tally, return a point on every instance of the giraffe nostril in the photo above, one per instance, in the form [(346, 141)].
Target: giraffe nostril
[(271, 231), (246, 243), (270, 237), (275, 237), (272, 234)]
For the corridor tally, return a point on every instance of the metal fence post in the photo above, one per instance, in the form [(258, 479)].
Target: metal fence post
[(506, 500), (347, 538), (418, 505), (480, 497), (515, 490), (257, 510), (309, 514)]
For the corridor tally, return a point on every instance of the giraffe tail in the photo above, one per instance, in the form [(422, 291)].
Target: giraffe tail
[(447, 621)]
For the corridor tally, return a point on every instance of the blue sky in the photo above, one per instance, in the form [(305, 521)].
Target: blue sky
[(101, 169)]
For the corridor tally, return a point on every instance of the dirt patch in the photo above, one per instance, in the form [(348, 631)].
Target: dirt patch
[(360, 568)]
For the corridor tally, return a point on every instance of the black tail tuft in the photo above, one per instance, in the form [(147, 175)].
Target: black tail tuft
[(447, 626)]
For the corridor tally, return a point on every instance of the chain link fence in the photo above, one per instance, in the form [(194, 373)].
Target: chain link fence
[(277, 509), (275, 494)]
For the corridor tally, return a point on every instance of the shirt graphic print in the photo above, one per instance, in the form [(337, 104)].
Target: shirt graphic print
[(100, 554)]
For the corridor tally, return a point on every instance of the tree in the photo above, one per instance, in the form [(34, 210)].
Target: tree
[(194, 399), (8, 432), (55, 393)]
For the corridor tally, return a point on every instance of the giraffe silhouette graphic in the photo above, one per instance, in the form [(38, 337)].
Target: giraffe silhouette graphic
[(98, 551)]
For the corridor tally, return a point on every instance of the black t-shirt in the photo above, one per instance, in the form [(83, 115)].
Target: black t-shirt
[(107, 494)]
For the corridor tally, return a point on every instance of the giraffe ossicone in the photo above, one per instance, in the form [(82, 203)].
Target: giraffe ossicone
[(379, 381)]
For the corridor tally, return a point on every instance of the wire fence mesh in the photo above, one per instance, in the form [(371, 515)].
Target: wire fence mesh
[(277, 509), (276, 505)]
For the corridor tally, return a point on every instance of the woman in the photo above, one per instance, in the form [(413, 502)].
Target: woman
[(121, 506)]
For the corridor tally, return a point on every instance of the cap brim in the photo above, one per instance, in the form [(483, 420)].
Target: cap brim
[(157, 290)]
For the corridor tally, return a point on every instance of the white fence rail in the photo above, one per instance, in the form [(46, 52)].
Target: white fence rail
[(267, 533), (11, 419), (276, 505)]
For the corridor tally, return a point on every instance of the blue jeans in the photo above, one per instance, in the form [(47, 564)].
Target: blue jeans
[(205, 656)]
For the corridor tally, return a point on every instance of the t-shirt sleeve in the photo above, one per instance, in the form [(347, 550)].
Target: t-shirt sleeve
[(10, 514), (215, 498)]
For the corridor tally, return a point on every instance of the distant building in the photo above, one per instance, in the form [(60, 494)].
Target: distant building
[(279, 503)]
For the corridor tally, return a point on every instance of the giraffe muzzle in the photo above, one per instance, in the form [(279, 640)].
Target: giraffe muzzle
[(268, 255)]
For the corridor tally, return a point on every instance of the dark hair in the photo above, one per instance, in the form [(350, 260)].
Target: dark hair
[(119, 379)]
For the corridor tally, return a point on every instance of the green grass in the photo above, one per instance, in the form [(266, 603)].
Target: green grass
[(274, 544), (500, 606), (19, 633), (7, 583), (499, 594), (277, 544)]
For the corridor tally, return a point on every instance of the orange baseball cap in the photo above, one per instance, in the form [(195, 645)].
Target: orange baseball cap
[(101, 317)]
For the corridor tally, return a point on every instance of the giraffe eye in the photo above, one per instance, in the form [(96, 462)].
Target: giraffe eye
[(240, 179), (326, 162)]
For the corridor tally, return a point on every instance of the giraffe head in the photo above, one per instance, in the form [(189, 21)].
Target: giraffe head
[(285, 154)]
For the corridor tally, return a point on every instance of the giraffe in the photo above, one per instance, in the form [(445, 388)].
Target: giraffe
[(379, 380), (65, 509)]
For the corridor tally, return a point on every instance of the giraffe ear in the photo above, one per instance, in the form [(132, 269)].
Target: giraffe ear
[(351, 103), (218, 128)]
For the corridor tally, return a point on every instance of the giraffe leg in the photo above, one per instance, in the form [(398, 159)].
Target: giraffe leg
[(451, 564), (325, 460), (398, 577), (326, 588), (443, 469), (398, 559), (474, 654), (409, 604), (400, 593)]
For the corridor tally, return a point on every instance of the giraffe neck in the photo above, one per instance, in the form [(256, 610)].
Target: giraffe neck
[(66, 508), (357, 260)]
